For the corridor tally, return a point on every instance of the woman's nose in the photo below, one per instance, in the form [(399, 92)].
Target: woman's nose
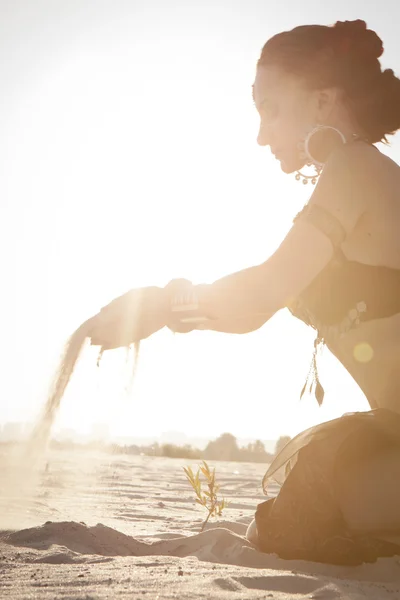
[(263, 137)]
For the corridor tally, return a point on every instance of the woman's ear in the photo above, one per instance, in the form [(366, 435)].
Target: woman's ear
[(326, 101)]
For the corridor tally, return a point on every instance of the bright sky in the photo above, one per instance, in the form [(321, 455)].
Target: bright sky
[(128, 157)]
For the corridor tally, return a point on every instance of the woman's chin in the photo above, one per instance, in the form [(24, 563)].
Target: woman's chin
[(290, 166), (287, 167)]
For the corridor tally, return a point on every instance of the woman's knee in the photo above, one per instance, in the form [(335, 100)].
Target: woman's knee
[(369, 495)]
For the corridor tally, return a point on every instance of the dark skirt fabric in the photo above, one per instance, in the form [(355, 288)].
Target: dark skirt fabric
[(304, 520)]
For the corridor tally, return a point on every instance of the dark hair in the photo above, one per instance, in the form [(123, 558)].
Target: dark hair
[(345, 55)]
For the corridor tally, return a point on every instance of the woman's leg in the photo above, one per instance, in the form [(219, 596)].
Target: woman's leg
[(369, 493)]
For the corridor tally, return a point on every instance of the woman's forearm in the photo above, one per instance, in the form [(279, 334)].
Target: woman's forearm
[(238, 303), (240, 296), (239, 326)]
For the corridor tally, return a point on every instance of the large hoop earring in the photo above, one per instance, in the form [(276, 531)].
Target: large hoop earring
[(313, 161)]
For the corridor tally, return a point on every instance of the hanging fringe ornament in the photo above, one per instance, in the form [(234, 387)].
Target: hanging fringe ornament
[(312, 383)]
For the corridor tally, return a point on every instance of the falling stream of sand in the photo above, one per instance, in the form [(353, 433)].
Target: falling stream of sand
[(26, 462), (72, 351)]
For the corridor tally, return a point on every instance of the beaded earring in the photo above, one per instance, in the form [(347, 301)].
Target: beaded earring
[(315, 147)]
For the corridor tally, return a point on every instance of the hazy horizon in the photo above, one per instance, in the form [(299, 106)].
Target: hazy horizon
[(19, 431)]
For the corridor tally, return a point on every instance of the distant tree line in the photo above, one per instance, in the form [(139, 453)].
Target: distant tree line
[(225, 447)]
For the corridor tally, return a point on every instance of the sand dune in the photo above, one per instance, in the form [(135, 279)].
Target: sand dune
[(99, 527)]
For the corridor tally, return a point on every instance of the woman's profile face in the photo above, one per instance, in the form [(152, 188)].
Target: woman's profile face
[(287, 112)]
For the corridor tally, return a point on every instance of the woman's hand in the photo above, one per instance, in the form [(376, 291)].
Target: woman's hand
[(130, 318)]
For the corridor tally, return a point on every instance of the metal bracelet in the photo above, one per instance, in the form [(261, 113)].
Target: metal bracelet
[(184, 307)]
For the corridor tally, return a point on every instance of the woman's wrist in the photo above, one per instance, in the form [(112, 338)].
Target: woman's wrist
[(188, 302)]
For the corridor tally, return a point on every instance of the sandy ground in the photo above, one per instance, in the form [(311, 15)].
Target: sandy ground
[(94, 526)]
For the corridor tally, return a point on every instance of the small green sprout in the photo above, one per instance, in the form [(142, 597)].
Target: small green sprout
[(207, 498)]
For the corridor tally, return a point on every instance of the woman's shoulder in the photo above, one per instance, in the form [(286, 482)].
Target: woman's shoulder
[(361, 162), (376, 177), (341, 189), (354, 176)]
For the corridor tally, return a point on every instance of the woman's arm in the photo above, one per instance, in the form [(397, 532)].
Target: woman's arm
[(260, 291), (239, 326), (185, 305)]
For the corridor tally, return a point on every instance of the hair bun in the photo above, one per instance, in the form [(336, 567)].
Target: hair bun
[(353, 37)]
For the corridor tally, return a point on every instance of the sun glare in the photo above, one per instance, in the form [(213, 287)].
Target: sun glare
[(140, 165)]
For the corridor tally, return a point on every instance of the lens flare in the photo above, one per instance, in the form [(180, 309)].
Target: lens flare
[(363, 352)]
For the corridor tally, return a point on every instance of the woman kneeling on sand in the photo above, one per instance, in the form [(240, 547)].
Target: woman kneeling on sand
[(324, 102)]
